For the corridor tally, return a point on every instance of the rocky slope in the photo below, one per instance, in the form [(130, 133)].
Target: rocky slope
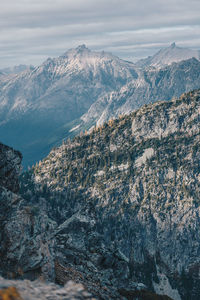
[(32, 245), (152, 85), (122, 205), (65, 95)]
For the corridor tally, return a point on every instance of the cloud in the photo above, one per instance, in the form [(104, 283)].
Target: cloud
[(34, 30)]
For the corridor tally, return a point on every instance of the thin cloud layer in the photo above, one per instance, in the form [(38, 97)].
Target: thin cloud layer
[(34, 30)]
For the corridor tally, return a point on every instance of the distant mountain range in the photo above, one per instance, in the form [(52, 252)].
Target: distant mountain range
[(15, 70), (41, 106)]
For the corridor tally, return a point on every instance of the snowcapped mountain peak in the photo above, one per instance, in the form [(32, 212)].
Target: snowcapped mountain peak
[(78, 51), (82, 59), (169, 55)]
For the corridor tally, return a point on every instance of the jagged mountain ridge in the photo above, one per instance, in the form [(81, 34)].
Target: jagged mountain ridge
[(73, 69), (169, 55), (65, 95), (133, 186)]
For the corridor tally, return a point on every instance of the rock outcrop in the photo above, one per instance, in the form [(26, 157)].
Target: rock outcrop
[(27, 290), (10, 167)]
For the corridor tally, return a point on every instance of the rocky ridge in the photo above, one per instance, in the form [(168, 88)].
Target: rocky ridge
[(124, 204)]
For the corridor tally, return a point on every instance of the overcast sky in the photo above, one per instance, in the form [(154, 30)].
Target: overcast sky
[(33, 30)]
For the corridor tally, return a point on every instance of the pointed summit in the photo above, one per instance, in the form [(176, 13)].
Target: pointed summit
[(173, 45), (74, 51), (81, 47)]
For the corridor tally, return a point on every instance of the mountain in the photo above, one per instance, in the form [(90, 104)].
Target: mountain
[(167, 56), (117, 208), (66, 95), (38, 107), (32, 242), (150, 86)]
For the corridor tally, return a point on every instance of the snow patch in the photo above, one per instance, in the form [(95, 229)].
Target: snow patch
[(113, 148), (74, 128), (100, 173), (121, 167)]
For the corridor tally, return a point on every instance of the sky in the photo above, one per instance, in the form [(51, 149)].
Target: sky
[(33, 30)]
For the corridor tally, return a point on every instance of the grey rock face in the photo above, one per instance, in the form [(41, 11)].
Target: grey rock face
[(10, 167)]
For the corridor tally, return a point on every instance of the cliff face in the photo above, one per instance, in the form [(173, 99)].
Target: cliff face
[(10, 167)]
